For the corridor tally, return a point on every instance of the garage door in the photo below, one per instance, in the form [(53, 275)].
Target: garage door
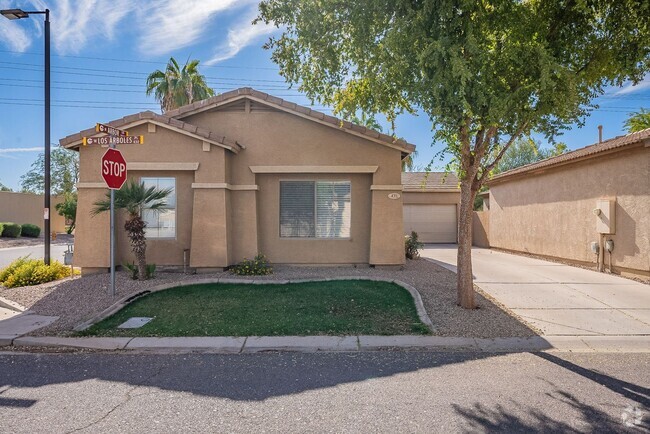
[(433, 223)]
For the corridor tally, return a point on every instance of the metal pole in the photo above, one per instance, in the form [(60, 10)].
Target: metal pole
[(46, 211), (112, 145)]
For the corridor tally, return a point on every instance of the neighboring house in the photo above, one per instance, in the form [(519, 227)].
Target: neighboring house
[(251, 173), (431, 206), (549, 207)]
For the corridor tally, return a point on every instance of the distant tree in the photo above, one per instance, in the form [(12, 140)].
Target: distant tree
[(524, 151), (176, 86), (134, 198), (484, 72), (68, 209), (4, 187), (64, 173), (638, 121)]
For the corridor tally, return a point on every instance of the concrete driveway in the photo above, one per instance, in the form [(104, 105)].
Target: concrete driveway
[(555, 298)]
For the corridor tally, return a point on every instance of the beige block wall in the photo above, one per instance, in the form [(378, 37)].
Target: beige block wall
[(551, 213), (431, 198), (28, 208), (480, 229)]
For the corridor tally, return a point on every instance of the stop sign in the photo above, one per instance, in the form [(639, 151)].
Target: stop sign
[(113, 169)]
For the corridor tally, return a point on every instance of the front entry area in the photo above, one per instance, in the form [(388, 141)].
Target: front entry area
[(433, 223)]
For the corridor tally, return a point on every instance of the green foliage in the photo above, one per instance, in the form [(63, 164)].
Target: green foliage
[(150, 270), (30, 230), (134, 197), (412, 245), (526, 151), (2, 226), (27, 272), (68, 209), (11, 230), (4, 187), (258, 266), (176, 86), (638, 121), (64, 173)]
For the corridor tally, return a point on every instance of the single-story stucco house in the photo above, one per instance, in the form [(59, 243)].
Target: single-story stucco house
[(431, 201), (251, 173), (559, 206)]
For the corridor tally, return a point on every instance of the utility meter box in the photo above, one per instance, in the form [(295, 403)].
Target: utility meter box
[(605, 216)]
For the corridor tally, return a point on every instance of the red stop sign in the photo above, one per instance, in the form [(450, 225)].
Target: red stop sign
[(114, 169)]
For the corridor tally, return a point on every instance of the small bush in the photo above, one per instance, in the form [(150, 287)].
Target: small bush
[(412, 245), (27, 272), (30, 230), (133, 270), (258, 266), (11, 230), (2, 225)]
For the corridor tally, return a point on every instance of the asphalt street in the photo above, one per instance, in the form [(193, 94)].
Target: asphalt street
[(418, 392), (35, 252)]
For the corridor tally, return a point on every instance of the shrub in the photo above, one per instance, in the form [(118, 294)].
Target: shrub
[(26, 272), (412, 245), (258, 266), (2, 225), (11, 230), (30, 230), (133, 270)]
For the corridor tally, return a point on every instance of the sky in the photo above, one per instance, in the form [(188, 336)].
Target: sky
[(103, 50)]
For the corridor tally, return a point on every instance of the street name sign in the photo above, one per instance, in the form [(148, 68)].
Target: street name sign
[(111, 131), (113, 169), (113, 140)]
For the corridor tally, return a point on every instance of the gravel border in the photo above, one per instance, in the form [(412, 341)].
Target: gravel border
[(61, 239), (78, 299)]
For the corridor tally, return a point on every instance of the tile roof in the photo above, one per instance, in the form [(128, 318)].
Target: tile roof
[(616, 143), (271, 100), (428, 181), (162, 119)]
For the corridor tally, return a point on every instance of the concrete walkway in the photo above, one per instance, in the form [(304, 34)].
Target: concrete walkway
[(557, 299)]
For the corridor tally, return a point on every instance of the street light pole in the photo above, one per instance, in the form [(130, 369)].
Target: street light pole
[(16, 14)]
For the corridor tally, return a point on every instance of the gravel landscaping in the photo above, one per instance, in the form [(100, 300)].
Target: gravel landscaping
[(62, 239), (78, 299)]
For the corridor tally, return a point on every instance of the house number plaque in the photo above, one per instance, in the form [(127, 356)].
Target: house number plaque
[(394, 195)]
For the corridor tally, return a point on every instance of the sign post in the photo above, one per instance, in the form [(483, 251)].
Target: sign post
[(114, 173)]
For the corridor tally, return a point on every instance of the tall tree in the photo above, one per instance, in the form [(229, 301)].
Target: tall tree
[(4, 187), (638, 121), (64, 170), (178, 86), (134, 198), (485, 72), (527, 151)]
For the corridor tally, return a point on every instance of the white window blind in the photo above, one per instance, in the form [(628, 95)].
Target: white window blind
[(161, 224), (315, 209)]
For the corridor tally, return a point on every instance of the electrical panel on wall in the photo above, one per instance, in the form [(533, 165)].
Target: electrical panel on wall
[(605, 216)]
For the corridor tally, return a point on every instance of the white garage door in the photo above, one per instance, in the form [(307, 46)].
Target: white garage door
[(433, 223)]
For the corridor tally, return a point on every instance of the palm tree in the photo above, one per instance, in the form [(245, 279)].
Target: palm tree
[(178, 86), (134, 197)]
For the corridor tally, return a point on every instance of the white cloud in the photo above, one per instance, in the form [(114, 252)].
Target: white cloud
[(240, 35), (179, 23), (630, 88), (13, 33), (8, 152)]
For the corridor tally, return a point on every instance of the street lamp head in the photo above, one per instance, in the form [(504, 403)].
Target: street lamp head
[(14, 14)]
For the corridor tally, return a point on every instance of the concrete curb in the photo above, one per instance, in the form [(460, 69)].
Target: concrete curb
[(417, 299), (11, 305), (255, 344)]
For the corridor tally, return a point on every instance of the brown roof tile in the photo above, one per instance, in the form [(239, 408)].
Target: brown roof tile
[(588, 151), (427, 181)]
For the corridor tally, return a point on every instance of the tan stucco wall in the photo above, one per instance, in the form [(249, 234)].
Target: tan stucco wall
[(480, 229), (232, 212), (431, 198), (550, 213), (28, 208)]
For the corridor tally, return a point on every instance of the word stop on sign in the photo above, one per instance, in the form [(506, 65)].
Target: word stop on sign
[(113, 168)]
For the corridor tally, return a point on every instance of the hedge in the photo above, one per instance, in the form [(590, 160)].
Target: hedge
[(30, 230), (11, 230)]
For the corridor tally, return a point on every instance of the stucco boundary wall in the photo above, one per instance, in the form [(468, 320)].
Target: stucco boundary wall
[(24, 208), (121, 303), (481, 229)]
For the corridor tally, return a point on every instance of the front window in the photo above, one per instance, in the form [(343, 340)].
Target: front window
[(161, 224), (315, 209)]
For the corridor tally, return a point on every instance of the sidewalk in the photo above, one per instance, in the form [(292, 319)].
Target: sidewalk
[(254, 344)]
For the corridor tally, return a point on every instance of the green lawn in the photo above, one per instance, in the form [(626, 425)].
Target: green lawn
[(345, 307)]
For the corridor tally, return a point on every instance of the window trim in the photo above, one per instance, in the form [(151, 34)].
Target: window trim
[(175, 237), (315, 181)]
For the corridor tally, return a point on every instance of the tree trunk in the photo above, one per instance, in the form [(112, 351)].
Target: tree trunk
[(135, 228), (465, 282)]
